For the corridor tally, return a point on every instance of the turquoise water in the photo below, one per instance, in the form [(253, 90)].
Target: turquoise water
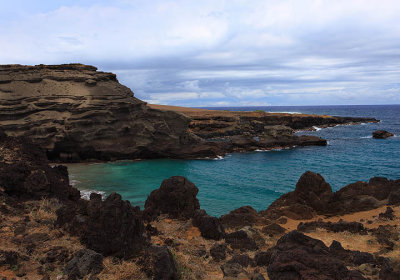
[(258, 178)]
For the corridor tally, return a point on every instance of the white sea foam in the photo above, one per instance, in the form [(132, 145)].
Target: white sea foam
[(317, 128), (85, 194), (258, 150), (286, 112), (366, 137), (218, 158), (74, 182)]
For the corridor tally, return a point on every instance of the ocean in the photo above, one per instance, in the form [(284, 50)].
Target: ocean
[(258, 178)]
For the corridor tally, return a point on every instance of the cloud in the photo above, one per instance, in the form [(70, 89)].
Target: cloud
[(204, 53)]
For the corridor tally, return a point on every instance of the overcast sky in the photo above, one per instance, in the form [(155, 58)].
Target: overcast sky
[(219, 53)]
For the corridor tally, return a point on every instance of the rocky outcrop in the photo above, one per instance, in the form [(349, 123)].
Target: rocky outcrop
[(76, 113), (85, 262), (313, 196), (25, 172), (241, 217), (175, 197), (382, 134), (110, 227), (247, 131), (296, 256), (210, 227)]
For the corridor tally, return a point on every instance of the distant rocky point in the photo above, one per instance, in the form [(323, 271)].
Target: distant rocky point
[(382, 134), (78, 113)]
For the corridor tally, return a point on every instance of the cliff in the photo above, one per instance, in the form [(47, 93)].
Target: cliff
[(76, 113)]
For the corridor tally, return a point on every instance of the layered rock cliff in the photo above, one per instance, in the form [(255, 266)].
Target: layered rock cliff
[(78, 113)]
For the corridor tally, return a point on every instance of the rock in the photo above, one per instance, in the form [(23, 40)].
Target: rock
[(296, 256), (353, 227), (210, 227), (257, 276), (273, 229), (381, 134), (76, 113), (313, 196), (163, 264), (387, 215), (110, 227), (84, 262), (241, 217), (232, 269), (387, 273), (261, 259), (57, 254), (386, 235), (175, 197), (218, 252), (240, 240), (25, 172), (10, 258), (242, 259)]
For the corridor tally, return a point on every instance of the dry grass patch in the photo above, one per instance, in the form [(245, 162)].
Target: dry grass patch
[(125, 270)]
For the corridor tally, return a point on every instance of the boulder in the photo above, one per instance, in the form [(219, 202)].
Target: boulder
[(163, 264), (296, 256), (218, 252), (241, 217), (382, 134), (110, 227), (85, 262), (175, 197), (273, 229), (210, 227), (240, 240)]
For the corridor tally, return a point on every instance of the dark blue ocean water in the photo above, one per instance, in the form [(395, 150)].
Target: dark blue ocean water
[(258, 178)]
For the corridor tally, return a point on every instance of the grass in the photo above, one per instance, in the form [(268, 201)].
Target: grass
[(120, 271)]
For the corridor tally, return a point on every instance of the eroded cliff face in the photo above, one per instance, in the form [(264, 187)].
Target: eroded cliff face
[(76, 113)]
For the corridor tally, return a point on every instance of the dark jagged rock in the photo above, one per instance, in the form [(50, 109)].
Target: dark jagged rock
[(313, 196), (176, 197), (85, 262), (386, 235), (10, 258), (296, 256), (232, 269), (25, 172), (110, 227), (388, 214), (218, 252), (261, 259), (353, 227), (163, 264), (210, 227), (350, 257), (76, 113), (242, 259), (273, 229), (240, 240), (382, 134), (241, 217)]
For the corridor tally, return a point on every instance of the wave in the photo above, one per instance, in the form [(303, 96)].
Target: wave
[(85, 194), (317, 128), (218, 158), (73, 182), (366, 137)]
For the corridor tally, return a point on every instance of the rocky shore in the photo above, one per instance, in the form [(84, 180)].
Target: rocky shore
[(48, 232), (78, 113)]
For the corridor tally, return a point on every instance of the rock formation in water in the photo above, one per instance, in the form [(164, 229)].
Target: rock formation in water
[(382, 134), (76, 112)]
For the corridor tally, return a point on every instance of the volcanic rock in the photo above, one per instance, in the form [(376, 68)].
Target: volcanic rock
[(218, 252), (296, 256), (273, 229), (110, 227), (240, 240), (313, 196), (163, 264), (210, 227), (382, 134), (241, 217), (353, 227), (25, 172), (84, 262), (175, 197)]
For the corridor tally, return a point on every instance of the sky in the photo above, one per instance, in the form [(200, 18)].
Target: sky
[(218, 53)]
